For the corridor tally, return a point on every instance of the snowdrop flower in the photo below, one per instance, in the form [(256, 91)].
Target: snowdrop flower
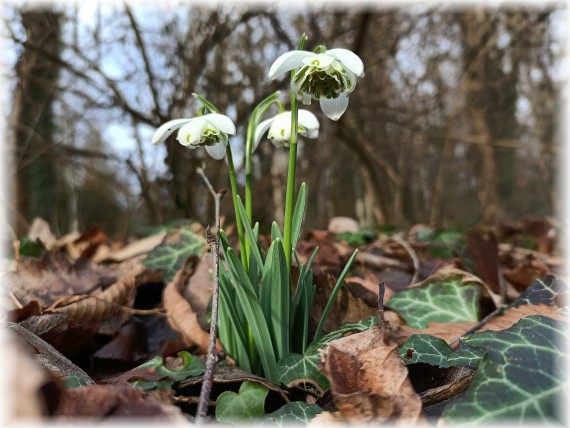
[(209, 131), (328, 77), (280, 128)]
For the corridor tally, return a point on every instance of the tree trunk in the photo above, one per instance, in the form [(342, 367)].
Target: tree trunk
[(38, 176)]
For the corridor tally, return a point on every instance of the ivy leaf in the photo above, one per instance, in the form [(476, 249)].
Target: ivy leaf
[(294, 413), (243, 406), (179, 244), (448, 301), (542, 291), (294, 367), (521, 376), (154, 374), (423, 348)]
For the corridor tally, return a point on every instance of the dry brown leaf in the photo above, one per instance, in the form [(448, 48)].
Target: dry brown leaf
[(347, 307), (450, 331), (99, 305), (198, 288), (50, 276), (136, 248), (526, 272), (102, 401), (181, 316), (369, 382)]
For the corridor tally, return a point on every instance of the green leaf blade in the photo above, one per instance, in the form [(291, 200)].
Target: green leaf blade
[(252, 310)]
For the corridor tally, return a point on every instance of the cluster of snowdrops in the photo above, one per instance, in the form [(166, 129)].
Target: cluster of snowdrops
[(261, 320)]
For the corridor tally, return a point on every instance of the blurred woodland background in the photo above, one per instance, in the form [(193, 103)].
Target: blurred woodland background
[(456, 121)]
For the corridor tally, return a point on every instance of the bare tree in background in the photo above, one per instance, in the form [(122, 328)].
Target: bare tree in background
[(435, 131)]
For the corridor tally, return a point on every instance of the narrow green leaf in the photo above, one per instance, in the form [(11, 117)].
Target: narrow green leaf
[(250, 234), (298, 215), (224, 241), (275, 232), (254, 268), (276, 293), (302, 305), (252, 309), (334, 292), (243, 406), (231, 324)]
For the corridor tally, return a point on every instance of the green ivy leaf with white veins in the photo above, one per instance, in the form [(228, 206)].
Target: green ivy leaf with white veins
[(448, 301), (244, 406)]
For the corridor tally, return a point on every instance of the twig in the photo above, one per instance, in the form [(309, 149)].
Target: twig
[(213, 356), (381, 322), (478, 325), (413, 255)]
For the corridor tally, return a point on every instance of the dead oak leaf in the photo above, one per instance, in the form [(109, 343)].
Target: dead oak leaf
[(181, 316), (369, 382), (99, 305)]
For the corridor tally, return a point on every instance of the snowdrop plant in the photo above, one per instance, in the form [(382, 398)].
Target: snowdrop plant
[(263, 316)]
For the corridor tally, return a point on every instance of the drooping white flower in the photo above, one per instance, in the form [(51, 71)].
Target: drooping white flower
[(328, 77), (279, 127), (209, 131)]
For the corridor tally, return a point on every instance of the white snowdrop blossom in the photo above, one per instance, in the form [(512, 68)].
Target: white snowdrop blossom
[(279, 127), (328, 77), (209, 131)]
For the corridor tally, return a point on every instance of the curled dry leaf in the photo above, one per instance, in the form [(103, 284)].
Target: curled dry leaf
[(181, 316), (99, 305), (369, 382)]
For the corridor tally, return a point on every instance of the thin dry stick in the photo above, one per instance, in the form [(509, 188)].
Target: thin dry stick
[(213, 356), (478, 325), (381, 322)]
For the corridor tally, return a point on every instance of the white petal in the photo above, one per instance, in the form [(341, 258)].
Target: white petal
[(308, 120), (189, 134), (312, 133), (321, 61), (287, 62), (260, 131), (280, 131), (334, 108), (222, 122), (164, 131), (217, 151), (349, 59)]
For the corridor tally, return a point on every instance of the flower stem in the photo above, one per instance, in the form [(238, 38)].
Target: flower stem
[(292, 165), (291, 180), (249, 180), (239, 225)]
